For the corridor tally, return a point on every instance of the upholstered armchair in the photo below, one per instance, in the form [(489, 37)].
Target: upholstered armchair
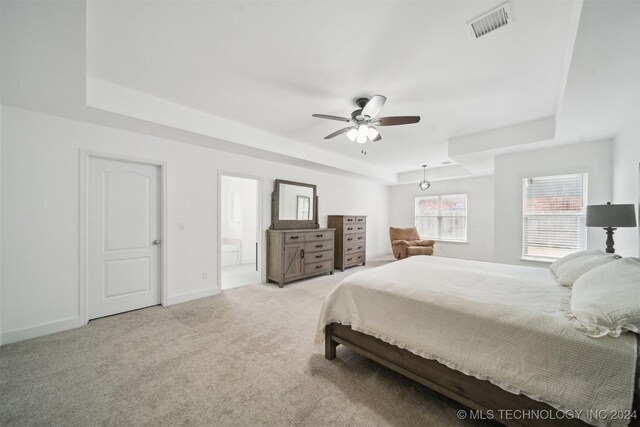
[(406, 242)]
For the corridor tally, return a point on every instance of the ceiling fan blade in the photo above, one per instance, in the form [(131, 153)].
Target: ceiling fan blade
[(326, 116), (338, 132), (397, 120), (374, 106)]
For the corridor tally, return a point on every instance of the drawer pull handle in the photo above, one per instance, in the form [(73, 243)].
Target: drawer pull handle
[(349, 239), (349, 249), (349, 259), (360, 238), (302, 253), (294, 237), (319, 246), (318, 266), (318, 235), (318, 256)]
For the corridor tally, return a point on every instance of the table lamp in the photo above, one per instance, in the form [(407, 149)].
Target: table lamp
[(610, 217)]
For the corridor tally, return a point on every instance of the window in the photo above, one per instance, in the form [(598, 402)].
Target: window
[(442, 217), (553, 216)]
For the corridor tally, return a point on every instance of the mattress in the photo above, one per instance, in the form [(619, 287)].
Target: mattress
[(496, 322)]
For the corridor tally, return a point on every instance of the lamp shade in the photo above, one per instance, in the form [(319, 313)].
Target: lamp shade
[(611, 216)]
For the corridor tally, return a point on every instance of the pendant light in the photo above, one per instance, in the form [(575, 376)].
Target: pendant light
[(424, 184)]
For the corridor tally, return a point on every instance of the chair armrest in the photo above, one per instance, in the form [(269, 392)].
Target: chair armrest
[(400, 242), (425, 242)]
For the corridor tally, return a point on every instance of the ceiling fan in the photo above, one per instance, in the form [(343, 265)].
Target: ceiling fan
[(363, 120)]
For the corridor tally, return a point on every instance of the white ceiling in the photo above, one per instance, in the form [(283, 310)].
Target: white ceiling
[(270, 65)]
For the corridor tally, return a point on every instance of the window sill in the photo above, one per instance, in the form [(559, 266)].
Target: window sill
[(542, 260), (444, 241)]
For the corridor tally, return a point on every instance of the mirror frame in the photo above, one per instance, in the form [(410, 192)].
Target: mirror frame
[(291, 224)]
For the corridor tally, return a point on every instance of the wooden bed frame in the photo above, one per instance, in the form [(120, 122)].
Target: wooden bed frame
[(471, 392)]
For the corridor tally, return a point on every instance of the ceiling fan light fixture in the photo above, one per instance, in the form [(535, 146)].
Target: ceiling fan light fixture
[(424, 184), (362, 120), (363, 131)]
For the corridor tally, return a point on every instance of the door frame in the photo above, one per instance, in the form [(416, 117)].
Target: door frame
[(83, 262), (259, 180)]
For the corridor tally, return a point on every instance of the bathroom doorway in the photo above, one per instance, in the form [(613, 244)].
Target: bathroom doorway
[(239, 231)]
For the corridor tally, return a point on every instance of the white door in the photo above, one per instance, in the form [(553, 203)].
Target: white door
[(124, 236)]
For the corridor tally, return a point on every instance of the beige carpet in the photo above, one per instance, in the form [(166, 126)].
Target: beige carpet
[(245, 357)]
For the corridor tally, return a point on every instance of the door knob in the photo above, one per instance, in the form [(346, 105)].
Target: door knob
[(156, 242)]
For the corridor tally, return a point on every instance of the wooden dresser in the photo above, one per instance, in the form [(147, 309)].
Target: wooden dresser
[(351, 240), (297, 254)]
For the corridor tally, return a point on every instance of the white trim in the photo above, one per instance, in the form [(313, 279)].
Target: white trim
[(542, 260), (83, 262), (191, 295), (259, 180), (41, 329)]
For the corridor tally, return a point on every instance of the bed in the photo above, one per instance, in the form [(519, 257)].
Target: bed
[(492, 336)]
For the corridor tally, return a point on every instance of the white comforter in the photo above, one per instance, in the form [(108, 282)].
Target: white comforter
[(497, 322)]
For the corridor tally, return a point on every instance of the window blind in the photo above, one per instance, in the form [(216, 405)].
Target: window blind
[(442, 217), (554, 216)]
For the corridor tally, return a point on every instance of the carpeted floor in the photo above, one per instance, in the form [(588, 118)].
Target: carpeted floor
[(245, 357)]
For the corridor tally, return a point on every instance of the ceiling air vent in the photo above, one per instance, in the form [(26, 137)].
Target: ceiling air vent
[(492, 20)]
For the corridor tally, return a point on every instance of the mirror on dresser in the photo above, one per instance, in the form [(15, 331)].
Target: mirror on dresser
[(296, 247), (294, 205)]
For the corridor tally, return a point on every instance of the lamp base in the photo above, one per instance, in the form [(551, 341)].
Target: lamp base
[(609, 231)]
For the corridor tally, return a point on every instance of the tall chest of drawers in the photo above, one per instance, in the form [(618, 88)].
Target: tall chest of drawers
[(351, 240), (298, 254)]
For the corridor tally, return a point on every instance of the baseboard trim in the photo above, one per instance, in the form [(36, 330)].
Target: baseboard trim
[(190, 296), (41, 330)]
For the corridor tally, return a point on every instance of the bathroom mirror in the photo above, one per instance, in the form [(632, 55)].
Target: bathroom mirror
[(293, 205)]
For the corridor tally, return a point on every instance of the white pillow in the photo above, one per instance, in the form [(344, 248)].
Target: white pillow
[(554, 267), (572, 266), (606, 300)]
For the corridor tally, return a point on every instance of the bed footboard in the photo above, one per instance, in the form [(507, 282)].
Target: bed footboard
[(471, 392)]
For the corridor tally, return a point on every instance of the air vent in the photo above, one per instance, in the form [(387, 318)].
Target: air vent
[(492, 20)]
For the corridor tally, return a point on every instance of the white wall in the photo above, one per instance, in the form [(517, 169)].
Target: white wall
[(479, 192), (40, 180), (594, 158), (626, 177), (0, 224)]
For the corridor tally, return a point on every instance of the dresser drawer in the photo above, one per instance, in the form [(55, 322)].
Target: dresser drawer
[(354, 228), (361, 219), (349, 220), (318, 267), (319, 235), (353, 247), (312, 257), (354, 238), (294, 237), (357, 258), (322, 245)]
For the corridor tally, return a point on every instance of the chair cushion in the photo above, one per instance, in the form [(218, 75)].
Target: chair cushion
[(409, 233), (419, 250)]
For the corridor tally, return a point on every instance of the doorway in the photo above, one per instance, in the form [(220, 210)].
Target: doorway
[(124, 227), (239, 228)]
